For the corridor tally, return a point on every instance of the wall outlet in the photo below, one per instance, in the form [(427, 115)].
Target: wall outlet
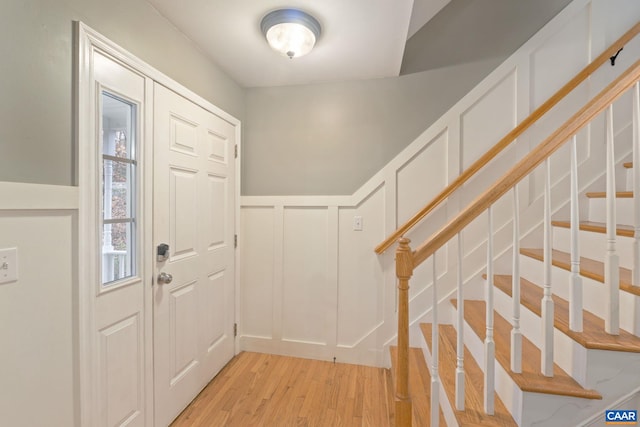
[(8, 265), (357, 223)]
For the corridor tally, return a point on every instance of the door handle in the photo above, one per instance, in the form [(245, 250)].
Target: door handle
[(164, 278)]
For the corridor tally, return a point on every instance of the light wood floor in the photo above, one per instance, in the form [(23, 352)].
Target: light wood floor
[(266, 390)]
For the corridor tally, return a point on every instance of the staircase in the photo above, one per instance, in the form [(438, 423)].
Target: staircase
[(556, 339), (588, 361)]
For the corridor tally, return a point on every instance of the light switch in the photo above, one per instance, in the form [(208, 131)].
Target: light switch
[(8, 265), (357, 223)]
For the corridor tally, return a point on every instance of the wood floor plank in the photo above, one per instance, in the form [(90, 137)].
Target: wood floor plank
[(268, 390), (588, 267), (531, 379), (593, 335), (473, 415), (390, 398)]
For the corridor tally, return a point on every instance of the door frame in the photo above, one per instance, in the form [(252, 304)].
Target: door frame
[(86, 42)]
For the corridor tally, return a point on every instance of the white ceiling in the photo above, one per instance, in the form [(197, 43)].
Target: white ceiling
[(361, 39)]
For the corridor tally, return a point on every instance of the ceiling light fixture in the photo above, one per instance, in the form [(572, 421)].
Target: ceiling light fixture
[(291, 32)]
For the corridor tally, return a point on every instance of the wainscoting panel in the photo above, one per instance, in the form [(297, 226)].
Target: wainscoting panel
[(257, 255), (360, 272), (38, 312), (488, 119), (305, 290), (422, 177)]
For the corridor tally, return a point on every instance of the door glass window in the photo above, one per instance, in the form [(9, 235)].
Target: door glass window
[(119, 188)]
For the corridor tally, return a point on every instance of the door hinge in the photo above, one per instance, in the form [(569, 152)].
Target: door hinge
[(235, 150), (235, 330), (235, 240)]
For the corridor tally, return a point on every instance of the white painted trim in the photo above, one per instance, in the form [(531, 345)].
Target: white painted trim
[(86, 42), (238, 232), (23, 196), (86, 231), (100, 42)]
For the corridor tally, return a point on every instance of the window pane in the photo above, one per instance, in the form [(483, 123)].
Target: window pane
[(118, 124), (117, 193), (117, 254), (119, 188)]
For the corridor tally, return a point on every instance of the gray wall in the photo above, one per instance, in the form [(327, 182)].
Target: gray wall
[(329, 139), (313, 139), (36, 48)]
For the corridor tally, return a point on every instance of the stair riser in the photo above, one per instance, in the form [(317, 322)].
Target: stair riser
[(624, 210), (594, 245), (594, 292), (568, 354)]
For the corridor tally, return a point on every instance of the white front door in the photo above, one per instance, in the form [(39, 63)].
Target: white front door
[(194, 191)]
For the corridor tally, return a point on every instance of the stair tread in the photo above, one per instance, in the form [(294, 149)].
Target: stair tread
[(628, 165), (603, 194), (419, 386), (473, 414), (530, 379), (592, 336), (588, 267), (597, 227)]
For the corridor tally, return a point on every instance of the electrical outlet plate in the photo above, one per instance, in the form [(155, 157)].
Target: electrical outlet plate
[(8, 265)]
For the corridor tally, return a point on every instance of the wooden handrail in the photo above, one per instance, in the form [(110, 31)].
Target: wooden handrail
[(510, 137), (586, 114)]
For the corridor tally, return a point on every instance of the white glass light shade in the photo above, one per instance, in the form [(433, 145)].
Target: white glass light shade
[(291, 32)]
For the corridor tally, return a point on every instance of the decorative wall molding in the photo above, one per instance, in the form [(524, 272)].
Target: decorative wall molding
[(22, 196)]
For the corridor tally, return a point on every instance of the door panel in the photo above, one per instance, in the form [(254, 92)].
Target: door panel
[(119, 346), (119, 318), (194, 178)]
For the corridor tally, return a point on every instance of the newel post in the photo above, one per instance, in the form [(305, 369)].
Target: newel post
[(404, 271)]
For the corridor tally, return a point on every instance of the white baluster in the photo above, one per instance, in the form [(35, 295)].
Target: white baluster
[(611, 270), (575, 288), (460, 328), (547, 301), (435, 378), (489, 345), (636, 185), (516, 334)]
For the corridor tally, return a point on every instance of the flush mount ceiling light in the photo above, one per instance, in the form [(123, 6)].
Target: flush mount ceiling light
[(291, 32)]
